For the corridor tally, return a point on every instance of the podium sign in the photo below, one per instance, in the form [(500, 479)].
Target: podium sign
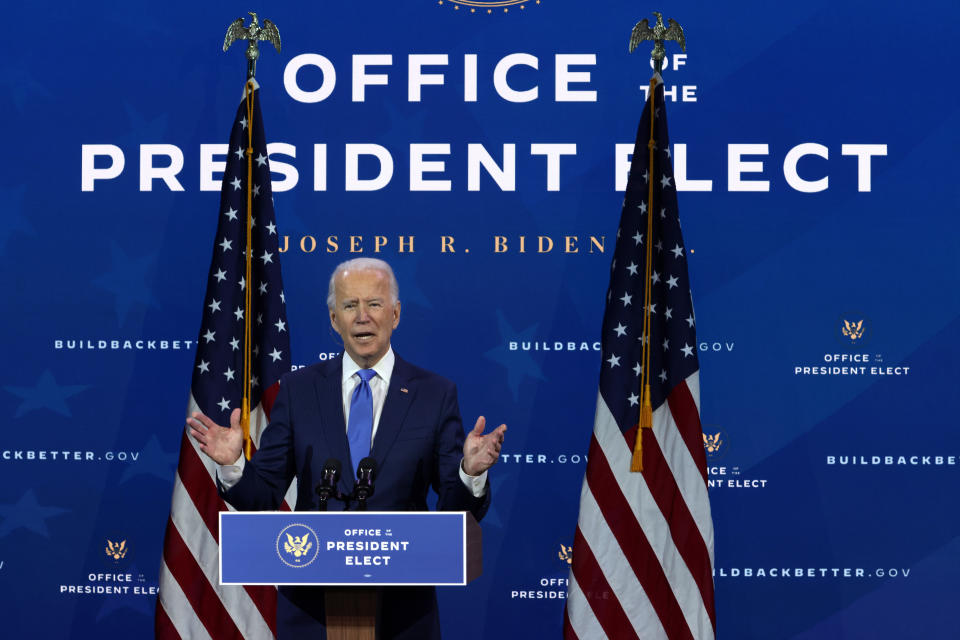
[(348, 548)]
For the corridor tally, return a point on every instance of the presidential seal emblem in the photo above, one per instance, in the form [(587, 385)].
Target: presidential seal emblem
[(297, 545), (487, 6), (853, 329), (715, 442)]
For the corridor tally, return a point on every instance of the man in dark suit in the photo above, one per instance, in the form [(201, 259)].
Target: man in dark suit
[(367, 401)]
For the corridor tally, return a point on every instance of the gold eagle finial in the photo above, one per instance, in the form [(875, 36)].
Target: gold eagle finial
[(659, 33)]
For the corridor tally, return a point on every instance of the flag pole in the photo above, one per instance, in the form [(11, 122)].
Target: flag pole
[(646, 410), (253, 34), (248, 298), (658, 34)]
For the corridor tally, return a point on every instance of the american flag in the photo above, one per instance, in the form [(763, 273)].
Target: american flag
[(643, 551), (192, 603)]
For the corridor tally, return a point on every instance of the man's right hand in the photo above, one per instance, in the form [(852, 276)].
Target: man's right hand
[(223, 445)]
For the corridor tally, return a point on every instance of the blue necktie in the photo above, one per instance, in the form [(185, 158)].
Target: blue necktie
[(360, 424)]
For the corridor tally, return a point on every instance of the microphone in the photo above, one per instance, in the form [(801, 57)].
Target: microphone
[(328, 481), (366, 474)]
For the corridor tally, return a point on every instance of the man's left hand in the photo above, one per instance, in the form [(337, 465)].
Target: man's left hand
[(480, 452)]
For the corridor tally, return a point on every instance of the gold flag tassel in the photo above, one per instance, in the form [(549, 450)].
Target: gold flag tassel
[(646, 410), (248, 299)]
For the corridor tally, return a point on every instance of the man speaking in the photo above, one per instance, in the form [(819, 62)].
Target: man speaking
[(368, 402)]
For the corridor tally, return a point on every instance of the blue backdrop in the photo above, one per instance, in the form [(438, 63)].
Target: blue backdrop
[(829, 241)]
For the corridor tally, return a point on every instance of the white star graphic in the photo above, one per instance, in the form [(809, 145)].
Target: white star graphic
[(256, 190), (275, 354), (632, 268), (224, 404), (646, 176), (243, 122), (653, 307), (666, 345), (626, 299), (266, 257), (243, 283), (209, 336), (663, 376), (272, 228), (263, 287), (690, 320), (261, 160), (633, 399), (655, 278), (283, 298), (254, 381), (638, 369), (256, 349), (235, 344), (231, 213), (239, 153), (672, 282), (280, 325), (638, 238), (667, 151), (214, 306), (238, 313), (614, 361), (677, 251), (687, 350), (643, 207), (259, 318), (228, 374), (220, 275), (204, 366), (668, 313), (235, 183), (620, 329), (659, 245), (663, 213), (226, 245)]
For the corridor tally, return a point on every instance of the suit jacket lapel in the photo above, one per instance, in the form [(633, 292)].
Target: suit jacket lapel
[(395, 407), (333, 424)]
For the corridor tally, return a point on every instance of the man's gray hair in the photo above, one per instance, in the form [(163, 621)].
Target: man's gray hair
[(362, 264)]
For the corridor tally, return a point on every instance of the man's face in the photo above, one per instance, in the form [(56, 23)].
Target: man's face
[(364, 315)]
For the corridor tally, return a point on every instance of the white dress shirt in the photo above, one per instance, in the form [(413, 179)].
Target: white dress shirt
[(229, 474)]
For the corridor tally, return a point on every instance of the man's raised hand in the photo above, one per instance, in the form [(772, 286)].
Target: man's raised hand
[(480, 452), (223, 445)]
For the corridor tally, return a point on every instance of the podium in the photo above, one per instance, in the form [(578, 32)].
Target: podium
[(351, 553)]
